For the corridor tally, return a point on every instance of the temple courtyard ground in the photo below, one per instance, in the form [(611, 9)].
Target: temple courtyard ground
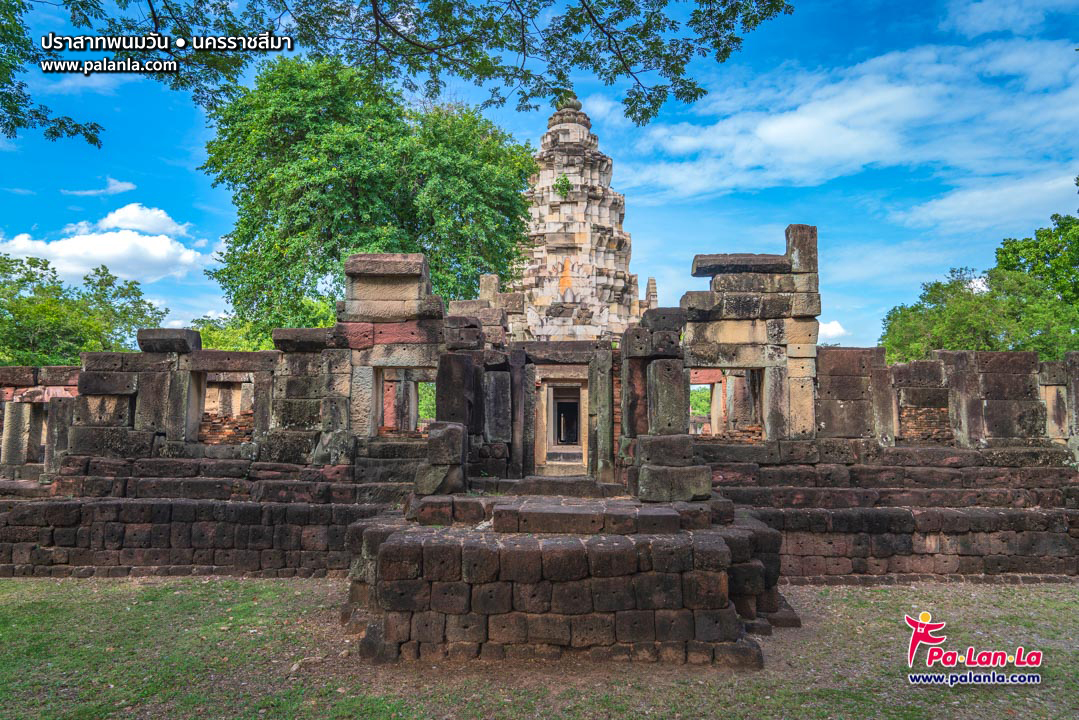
[(225, 648)]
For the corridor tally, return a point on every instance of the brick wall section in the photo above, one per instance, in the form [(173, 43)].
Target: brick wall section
[(117, 537), (216, 429), (928, 425)]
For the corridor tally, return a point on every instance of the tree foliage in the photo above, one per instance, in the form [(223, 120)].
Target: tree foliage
[(322, 164), (527, 50), (1021, 304), (1051, 256), (230, 333), (700, 401), (45, 322), (20, 53)]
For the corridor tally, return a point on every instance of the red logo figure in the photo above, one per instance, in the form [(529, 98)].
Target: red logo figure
[(922, 632)]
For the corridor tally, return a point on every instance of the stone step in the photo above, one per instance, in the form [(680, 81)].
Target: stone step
[(23, 489), (812, 497), (544, 514), (571, 485), (284, 491), (892, 476), (560, 469)]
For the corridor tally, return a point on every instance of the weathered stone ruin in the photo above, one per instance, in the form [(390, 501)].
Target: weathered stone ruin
[(562, 500)]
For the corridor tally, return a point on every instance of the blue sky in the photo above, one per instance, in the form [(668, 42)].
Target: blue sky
[(914, 135)]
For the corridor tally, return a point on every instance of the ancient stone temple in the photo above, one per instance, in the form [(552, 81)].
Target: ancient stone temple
[(562, 500), (576, 284)]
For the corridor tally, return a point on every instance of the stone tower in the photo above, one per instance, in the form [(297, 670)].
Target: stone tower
[(576, 283)]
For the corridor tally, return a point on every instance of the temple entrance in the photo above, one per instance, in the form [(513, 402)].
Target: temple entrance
[(567, 409), (561, 426)]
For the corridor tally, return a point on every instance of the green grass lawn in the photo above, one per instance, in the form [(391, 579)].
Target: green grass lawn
[(224, 648)]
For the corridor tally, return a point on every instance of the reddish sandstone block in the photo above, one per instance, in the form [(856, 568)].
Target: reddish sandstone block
[(635, 626), (717, 625), (428, 627), (492, 598), (397, 627), (645, 652), (442, 558), (451, 597), (563, 559), (409, 332), (674, 625), (704, 590), (592, 629), (520, 560), (400, 557), (403, 595), (469, 627), (532, 597), (509, 628), (462, 650), (435, 510), (358, 336), (611, 555), (549, 629), (612, 594), (658, 591), (479, 560), (571, 598)]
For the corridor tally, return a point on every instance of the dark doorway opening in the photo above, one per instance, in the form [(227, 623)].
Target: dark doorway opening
[(567, 416)]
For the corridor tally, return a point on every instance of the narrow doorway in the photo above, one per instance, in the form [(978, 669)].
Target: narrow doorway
[(567, 403)]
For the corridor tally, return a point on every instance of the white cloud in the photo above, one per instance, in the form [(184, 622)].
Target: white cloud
[(997, 202), (76, 84), (832, 330), (880, 264), (134, 241), (1002, 108), (603, 109), (136, 216), (128, 254), (112, 187), (19, 191), (978, 17)]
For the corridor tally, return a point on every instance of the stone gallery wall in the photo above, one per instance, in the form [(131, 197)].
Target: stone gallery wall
[(855, 462)]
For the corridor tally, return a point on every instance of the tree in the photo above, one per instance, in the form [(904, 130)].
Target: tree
[(230, 334), (525, 49), (1052, 256), (998, 310), (44, 322), (322, 164), (700, 401)]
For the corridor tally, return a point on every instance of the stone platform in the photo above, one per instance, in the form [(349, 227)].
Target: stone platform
[(548, 576)]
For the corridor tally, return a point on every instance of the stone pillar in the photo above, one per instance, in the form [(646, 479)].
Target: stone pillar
[(528, 448), (454, 388), (668, 397), (601, 415), (23, 424), (497, 402), (515, 467)]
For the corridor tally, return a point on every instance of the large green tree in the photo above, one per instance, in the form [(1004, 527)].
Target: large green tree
[(45, 322), (1026, 302), (525, 50), (1052, 256), (323, 164)]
